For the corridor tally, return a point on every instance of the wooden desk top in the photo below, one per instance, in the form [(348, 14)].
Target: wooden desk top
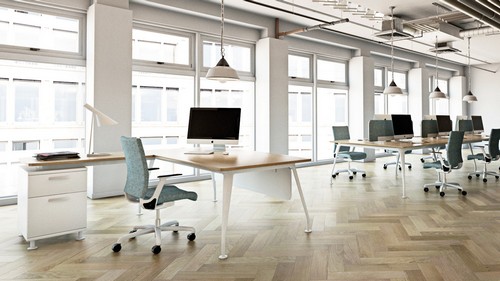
[(217, 162), (414, 143)]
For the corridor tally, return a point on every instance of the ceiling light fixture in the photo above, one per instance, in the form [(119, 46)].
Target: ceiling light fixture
[(222, 71), (392, 89), (437, 94), (469, 97)]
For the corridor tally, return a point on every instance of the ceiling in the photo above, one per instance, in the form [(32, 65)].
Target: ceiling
[(429, 21)]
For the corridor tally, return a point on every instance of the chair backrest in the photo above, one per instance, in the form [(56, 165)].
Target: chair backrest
[(465, 126), (341, 133), (137, 167), (429, 128), (378, 129), (493, 143), (454, 149)]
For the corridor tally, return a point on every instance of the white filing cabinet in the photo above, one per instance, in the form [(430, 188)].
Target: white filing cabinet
[(52, 203)]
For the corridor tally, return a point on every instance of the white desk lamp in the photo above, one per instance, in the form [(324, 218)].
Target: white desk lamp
[(101, 119)]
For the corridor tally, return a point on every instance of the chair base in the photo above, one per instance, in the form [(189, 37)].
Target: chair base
[(350, 171), (442, 186), (483, 174), (399, 165)]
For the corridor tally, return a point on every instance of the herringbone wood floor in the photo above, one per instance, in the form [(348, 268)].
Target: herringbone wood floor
[(362, 230)]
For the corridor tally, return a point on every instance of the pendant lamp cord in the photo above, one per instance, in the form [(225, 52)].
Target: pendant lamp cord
[(222, 28), (468, 59), (392, 42), (437, 77)]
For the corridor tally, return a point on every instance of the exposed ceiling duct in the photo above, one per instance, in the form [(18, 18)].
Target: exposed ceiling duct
[(397, 32), (444, 47)]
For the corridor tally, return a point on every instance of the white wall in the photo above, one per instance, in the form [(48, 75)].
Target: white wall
[(486, 87)]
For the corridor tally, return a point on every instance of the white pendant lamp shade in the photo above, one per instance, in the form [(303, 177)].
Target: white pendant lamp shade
[(222, 71), (393, 89), (437, 94), (469, 97)]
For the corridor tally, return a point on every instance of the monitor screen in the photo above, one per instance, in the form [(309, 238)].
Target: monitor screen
[(477, 124), (402, 126), (211, 125), (444, 124)]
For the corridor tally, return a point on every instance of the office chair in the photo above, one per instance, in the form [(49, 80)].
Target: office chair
[(429, 129), (150, 198), (493, 155), (382, 130), (444, 166), (345, 153)]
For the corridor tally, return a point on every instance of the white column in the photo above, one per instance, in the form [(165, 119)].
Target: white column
[(418, 97), (458, 89), (109, 86)]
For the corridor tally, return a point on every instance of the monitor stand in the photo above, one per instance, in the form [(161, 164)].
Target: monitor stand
[(219, 147)]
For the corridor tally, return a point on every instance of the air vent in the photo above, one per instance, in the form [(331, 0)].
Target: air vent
[(387, 30), (444, 47)]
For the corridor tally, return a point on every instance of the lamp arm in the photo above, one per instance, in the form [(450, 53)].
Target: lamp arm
[(91, 136)]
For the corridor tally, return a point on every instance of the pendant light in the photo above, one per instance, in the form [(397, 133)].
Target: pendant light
[(392, 89), (437, 94), (222, 71), (469, 97)]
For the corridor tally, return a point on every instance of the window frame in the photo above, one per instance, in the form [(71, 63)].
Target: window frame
[(326, 83)]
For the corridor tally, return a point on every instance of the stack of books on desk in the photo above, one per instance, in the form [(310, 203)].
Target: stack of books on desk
[(59, 155)]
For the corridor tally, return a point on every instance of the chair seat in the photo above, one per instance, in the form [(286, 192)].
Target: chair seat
[(433, 165), (171, 193), (353, 155), (478, 156)]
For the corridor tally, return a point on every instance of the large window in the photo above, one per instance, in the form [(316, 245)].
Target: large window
[(239, 56), (161, 47), (331, 71), (299, 66), (28, 29), (390, 104), (332, 111), (300, 112)]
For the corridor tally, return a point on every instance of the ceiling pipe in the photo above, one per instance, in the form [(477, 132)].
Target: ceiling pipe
[(495, 2), (314, 27), (472, 13), (490, 6), (485, 11), (478, 31)]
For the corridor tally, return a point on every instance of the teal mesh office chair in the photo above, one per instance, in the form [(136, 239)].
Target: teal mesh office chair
[(345, 153), (153, 198), (382, 130), (429, 129), (492, 155), (444, 166)]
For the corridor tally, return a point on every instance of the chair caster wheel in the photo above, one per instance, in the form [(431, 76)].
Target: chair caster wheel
[(441, 193), (385, 167), (363, 175), (469, 177), (354, 173), (477, 175), (351, 177), (464, 192), (426, 189), (399, 168), (191, 236), (334, 176), (422, 160), (485, 180), (497, 177), (409, 167), (116, 247), (156, 249), (437, 186)]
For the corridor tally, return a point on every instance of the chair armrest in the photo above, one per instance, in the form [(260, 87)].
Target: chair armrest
[(154, 168), (169, 175), (150, 204)]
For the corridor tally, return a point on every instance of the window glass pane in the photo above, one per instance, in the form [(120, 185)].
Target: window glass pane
[(3, 101), (65, 144), (160, 47), (442, 105), (26, 101), (150, 104), (399, 78), (378, 77), (238, 57), (43, 31), (331, 111), (331, 71), (397, 104), (25, 145), (299, 66), (379, 103), (232, 94), (300, 121), (65, 100)]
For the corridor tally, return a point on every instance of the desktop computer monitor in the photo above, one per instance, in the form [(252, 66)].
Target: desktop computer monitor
[(477, 124), (444, 125), (402, 126), (212, 125)]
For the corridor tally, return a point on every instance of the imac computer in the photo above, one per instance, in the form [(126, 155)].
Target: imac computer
[(429, 117), (219, 126), (477, 124), (444, 125), (402, 126)]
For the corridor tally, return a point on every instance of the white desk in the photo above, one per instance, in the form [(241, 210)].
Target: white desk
[(403, 146), (226, 165)]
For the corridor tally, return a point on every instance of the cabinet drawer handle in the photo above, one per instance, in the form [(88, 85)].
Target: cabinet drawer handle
[(54, 178), (58, 199)]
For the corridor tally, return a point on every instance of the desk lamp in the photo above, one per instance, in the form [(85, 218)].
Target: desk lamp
[(101, 119)]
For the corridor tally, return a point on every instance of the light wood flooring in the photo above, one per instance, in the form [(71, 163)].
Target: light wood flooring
[(362, 230)]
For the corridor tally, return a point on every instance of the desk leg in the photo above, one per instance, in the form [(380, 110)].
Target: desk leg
[(297, 182), (226, 200), (214, 185), (403, 177)]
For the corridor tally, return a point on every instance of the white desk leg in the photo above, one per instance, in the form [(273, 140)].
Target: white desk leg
[(403, 177), (226, 200), (214, 184), (297, 182)]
